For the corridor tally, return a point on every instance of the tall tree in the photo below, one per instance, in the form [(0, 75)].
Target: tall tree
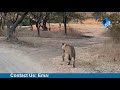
[(37, 17), (68, 16), (65, 22), (45, 19), (11, 26)]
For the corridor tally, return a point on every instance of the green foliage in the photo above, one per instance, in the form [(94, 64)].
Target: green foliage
[(114, 18), (57, 17), (115, 28), (99, 15), (74, 15), (25, 22)]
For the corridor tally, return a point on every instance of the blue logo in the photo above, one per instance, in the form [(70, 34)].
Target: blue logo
[(106, 22)]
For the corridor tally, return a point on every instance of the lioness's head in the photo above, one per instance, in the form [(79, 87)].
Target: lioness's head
[(63, 45)]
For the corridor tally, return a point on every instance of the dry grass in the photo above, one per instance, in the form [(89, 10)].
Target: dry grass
[(104, 57), (111, 50), (115, 33)]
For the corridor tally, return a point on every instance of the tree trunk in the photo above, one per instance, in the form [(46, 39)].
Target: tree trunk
[(49, 25), (18, 21), (46, 17), (3, 15), (10, 31), (0, 32), (3, 23), (38, 28), (60, 26), (31, 27), (65, 26), (0, 27), (38, 25), (11, 27), (31, 24), (44, 25)]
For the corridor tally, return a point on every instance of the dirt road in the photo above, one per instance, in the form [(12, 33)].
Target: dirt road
[(17, 58), (12, 60)]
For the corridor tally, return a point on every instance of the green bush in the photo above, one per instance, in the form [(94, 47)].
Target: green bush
[(115, 28), (114, 18), (99, 16), (26, 22)]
